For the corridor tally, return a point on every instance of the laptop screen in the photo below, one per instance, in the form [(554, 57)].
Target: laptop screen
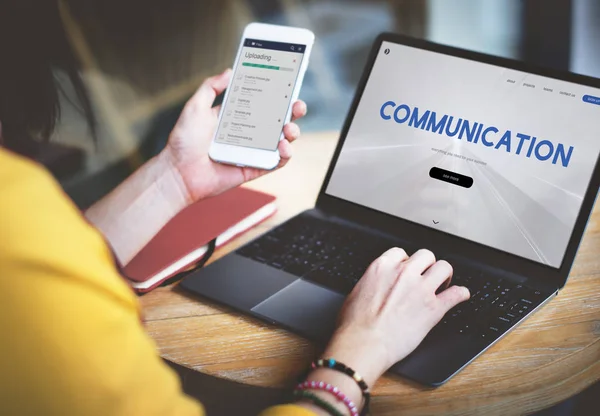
[(493, 155)]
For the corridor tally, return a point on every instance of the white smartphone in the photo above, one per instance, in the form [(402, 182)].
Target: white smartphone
[(267, 76)]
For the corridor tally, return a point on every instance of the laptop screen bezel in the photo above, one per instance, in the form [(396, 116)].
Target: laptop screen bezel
[(440, 241)]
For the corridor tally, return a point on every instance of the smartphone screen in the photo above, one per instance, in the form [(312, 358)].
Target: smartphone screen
[(260, 94)]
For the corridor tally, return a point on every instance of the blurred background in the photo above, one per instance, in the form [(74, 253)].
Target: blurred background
[(143, 58)]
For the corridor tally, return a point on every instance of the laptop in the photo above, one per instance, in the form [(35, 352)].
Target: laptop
[(490, 163)]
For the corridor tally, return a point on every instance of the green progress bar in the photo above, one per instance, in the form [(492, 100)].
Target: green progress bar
[(276, 68)]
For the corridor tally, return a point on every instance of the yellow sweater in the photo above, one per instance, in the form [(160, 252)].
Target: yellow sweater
[(72, 342)]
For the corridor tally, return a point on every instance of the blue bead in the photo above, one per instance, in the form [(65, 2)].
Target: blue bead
[(331, 362)]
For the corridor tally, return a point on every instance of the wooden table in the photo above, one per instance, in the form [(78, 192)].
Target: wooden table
[(550, 357)]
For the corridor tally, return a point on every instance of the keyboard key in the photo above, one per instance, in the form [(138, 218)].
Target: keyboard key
[(492, 329), (503, 320), (260, 258), (479, 309), (276, 264), (466, 329), (489, 335), (520, 308), (455, 313)]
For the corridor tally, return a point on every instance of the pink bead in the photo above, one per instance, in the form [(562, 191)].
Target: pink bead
[(320, 385)]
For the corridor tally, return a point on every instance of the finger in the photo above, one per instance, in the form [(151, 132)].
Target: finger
[(421, 261), (291, 132), (299, 110), (210, 88), (452, 296), (438, 274), (396, 253), (387, 266), (285, 151)]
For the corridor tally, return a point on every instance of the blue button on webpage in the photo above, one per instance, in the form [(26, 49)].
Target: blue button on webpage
[(591, 99)]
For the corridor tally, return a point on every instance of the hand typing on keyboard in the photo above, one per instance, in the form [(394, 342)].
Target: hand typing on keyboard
[(391, 309)]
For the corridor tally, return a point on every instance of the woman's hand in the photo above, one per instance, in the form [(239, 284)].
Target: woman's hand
[(181, 174), (387, 315), (187, 149), (391, 310)]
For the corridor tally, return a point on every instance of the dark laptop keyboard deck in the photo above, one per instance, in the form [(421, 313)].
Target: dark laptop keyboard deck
[(336, 257), (495, 305)]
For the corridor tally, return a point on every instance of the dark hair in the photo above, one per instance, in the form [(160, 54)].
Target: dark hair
[(33, 45)]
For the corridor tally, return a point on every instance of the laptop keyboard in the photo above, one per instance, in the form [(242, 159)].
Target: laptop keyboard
[(495, 305), (336, 257), (320, 251)]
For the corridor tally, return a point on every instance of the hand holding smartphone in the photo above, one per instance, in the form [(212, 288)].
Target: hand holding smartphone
[(267, 77)]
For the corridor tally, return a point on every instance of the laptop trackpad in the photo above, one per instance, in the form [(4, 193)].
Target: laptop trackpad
[(305, 308)]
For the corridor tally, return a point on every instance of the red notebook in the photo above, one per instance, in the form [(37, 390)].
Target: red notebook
[(184, 241)]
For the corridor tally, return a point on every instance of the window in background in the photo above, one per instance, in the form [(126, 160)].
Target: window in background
[(490, 26), (585, 58), (344, 31), (141, 61)]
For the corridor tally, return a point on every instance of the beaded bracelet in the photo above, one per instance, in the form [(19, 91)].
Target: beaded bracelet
[(319, 385), (341, 367), (317, 401)]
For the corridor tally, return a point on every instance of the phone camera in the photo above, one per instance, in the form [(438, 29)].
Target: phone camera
[(387, 51)]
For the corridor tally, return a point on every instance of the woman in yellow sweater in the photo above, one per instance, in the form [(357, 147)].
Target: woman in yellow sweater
[(72, 337)]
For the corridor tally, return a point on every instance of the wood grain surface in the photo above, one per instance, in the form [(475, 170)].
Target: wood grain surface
[(551, 356)]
